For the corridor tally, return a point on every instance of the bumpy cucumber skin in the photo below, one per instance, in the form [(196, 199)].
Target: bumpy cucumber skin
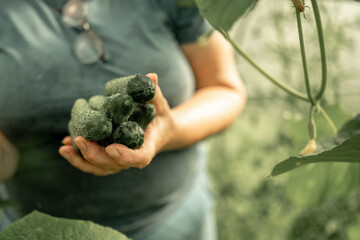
[(119, 116), (91, 124), (143, 114), (118, 107), (117, 85), (94, 126), (97, 102), (130, 134), (141, 88), (79, 105)]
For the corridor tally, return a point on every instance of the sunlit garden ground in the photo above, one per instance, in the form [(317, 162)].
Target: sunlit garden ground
[(316, 201)]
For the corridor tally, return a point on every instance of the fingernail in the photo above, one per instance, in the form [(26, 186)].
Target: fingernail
[(81, 145), (154, 75), (65, 154), (112, 152)]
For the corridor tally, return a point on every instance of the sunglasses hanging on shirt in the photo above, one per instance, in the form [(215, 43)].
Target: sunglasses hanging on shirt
[(87, 47)]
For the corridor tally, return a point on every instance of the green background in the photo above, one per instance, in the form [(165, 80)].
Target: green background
[(318, 201)]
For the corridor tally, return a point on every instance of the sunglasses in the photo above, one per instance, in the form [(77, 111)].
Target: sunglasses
[(87, 46)]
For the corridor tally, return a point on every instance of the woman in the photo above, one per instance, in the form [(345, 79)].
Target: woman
[(156, 192)]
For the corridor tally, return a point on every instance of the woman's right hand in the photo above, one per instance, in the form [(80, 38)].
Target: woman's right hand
[(9, 158), (102, 161)]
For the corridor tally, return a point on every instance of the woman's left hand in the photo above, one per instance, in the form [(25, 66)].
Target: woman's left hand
[(102, 161)]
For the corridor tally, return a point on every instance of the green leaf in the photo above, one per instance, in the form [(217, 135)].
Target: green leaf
[(351, 127), (222, 14), (40, 226), (348, 151), (327, 180), (335, 149)]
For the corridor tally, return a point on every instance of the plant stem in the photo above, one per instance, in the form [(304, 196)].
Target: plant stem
[(303, 57), (328, 119), (311, 123), (281, 85), (322, 49)]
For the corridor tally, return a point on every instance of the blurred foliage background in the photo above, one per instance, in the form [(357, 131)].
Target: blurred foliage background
[(318, 201), (315, 202)]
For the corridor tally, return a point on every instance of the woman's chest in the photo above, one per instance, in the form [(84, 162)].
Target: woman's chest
[(40, 76)]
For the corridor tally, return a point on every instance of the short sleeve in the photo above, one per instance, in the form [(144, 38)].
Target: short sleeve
[(189, 25)]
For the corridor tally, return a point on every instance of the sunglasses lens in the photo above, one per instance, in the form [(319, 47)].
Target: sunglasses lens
[(74, 13), (88, 47)]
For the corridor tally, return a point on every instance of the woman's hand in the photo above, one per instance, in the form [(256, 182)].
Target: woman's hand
[(219, 97), (102, 161)]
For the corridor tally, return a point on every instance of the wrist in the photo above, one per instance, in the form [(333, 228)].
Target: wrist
[(171, 134)]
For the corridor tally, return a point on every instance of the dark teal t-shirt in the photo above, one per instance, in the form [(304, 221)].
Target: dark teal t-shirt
[(39, 80)]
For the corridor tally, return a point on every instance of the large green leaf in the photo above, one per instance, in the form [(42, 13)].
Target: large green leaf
[(343, 147), (40, 226), (351, 127), (327, 180), (222, 14)]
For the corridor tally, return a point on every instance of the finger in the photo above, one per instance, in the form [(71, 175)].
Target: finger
[(69, 153), (95, 154), (160, 102), (120, 153), (67, 140), (125, 156), (154, 77)]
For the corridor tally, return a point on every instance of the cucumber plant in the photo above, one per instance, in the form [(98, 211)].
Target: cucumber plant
[(212, 10)]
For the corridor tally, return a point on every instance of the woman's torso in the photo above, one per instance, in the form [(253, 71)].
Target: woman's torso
[(39, 81)]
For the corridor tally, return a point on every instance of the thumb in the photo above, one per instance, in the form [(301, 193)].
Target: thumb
[(159, 100), (153, 77)]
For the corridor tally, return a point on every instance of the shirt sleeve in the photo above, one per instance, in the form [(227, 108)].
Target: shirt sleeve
[(189, 25)]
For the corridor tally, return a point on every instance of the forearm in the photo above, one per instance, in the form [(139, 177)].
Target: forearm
[(8, 159), (219, 98), (210, 111)]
